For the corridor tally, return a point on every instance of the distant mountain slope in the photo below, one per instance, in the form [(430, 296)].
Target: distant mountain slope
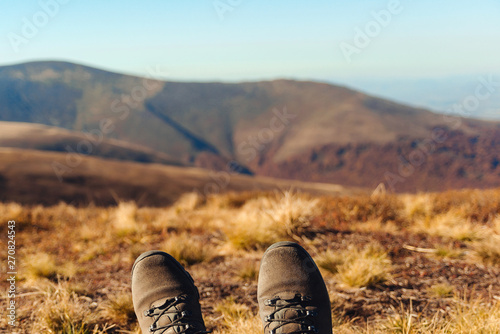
[(271, 127), (406, 165)]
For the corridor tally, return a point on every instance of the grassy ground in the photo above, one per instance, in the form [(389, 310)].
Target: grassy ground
[(426, 263)]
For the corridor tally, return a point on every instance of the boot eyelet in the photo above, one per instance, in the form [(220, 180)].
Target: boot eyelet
[(312, 313), (313, 329), (270, 302)]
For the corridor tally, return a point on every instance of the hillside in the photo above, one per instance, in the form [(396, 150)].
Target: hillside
[(270, 128), (35, 177), (461, 161), (426, 263), (48, 138)]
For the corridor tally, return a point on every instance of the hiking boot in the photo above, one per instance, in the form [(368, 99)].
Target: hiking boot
[(291, 292), (165, 298)]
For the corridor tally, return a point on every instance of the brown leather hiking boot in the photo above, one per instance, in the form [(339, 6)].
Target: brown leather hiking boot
[(291, 292), (165, 298)]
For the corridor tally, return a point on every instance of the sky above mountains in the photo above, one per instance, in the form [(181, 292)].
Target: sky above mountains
[(235, 40)]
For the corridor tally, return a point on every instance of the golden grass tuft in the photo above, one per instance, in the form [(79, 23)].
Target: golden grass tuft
[(496, 224), (488, 250), (378, 225), (263, 221), (63, 311), (41, 265), (251, 325), (464, 316), (449, 252), (237, 318), (418, 206), (187, 249), (249, 271), (232, 310), (124, 218), (188, 202), (119, 308), (10, 211), (365, 268), (441, 290), (450, 225), (191, 213), (330, 260)]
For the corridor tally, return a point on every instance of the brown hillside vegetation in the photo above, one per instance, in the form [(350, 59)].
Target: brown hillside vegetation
[(426, 263), (36, 177), (406, 165)]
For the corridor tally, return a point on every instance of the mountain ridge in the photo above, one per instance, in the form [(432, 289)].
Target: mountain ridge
[(261, 126)]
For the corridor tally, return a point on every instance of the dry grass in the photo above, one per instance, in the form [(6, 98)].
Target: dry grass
[(330, 260), (232, 310), (441, 290), (251, 325), (41, 265), (376, 225), (74, 263), (450, 225), (249, 271), (63, 311), (188, 202), (187, 250), (124, 218), (488, 250), (10, 211), (237, 318), (119, 308), (263, 221), (465, 316), (364, 268), (449, 252)]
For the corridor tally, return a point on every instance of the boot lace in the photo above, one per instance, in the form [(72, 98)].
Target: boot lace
[(303, 317), (180, 318)]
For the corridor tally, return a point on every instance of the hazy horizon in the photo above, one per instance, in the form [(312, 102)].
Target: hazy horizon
[(250, 40)]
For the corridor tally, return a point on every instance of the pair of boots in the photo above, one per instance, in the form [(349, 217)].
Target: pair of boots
[(291, 293)]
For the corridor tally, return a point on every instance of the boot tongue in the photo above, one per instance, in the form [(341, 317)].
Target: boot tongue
[(291, 313), (171, 315)]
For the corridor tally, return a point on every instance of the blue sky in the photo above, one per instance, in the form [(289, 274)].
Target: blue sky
[(257, 39)]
